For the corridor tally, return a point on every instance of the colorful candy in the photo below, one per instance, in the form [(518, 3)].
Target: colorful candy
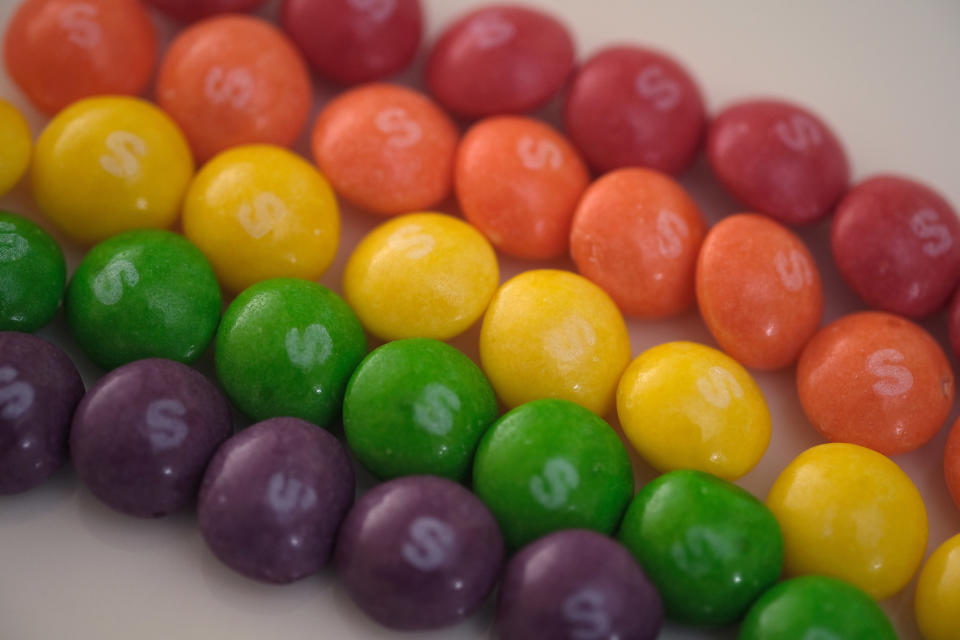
[(938, 593), (550, 465), (189, 10), (759, 291), (896, 243), (849, 512), (16, 146), (261, 212), (876, 380), (951, 462), (421, 275), (32, 275), (637, 233), (518, 181), (686, 406)]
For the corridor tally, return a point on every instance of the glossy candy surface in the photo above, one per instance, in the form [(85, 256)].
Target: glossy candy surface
[(110, 164), (261, 212), (142, 436), (16, 146), (849, 512), (424, 275), (758, 290), (418, 553), (951, 462), (684, 405), (637, 233), (273, 497), (877, 380), (550, 465), (518, 181), (938, 593), (415, 407), (188, 10), (39, 390), (32, 275), (708, 546)]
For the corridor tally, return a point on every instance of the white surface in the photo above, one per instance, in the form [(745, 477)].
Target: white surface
[(884, 73)]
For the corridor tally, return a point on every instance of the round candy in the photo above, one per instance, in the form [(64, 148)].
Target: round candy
[(576, 584), (417, 406), (851, 513), (876, 380), (58, 51), (16, 145), (273, 498), (287, 347), (261, 212), (550, 465), (951, 462), (188, 10), (554, 334), (142, 437), (518, 181), (110, 164), (143, 294), (686, 406), (353, 41), (779, 159), (637, 233), (234, 80), (938, 593), (896, 243), (32, 275), (499, 59), (386, 148), (630, 106), (758, 290), (421, 275), (816, 607), (39, 389), (418, 553)]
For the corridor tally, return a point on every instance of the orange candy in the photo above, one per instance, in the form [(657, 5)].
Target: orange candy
[(877, 380), (386, 148), (234, 80), (951, 462), (58, 51), (759, 290), (518, 181), (636, 233)]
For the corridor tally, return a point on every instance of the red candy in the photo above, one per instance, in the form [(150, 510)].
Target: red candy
[(630, 106), (951, 462), (779, 159), (353, 41), (896, 243), (189, 10), (500, 59)]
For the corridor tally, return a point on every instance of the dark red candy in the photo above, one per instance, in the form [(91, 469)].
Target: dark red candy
[(500, 59), (779, 159), (896, 243), (353, 41), (630, 106), (190, 10)]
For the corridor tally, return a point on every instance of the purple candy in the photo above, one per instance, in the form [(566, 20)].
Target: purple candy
[(273, 498), (143, 435), (39, 389), (419, 552), (579, 585)]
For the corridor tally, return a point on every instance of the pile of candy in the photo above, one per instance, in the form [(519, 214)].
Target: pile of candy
[(550, 514)]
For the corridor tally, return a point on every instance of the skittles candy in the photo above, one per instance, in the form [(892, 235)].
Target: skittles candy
[(938, 593), (16, 146), (32, 275)]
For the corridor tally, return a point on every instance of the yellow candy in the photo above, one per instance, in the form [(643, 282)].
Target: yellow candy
[(421, 275), (15, 144), (937, 602), (260, 212), (554, 334), (111, 164), (686, 406), (849, 512)]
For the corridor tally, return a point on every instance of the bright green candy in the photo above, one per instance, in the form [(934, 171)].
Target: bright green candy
[(143, 294), (708, 546), (550, 465), (813, 607), (417, 406), (32, 275), (287, 347)]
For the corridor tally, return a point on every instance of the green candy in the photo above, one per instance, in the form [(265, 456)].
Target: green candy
[(816, 607), (143, 294), (287, 347), (708, 546), (549, 465), (32, 275)]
